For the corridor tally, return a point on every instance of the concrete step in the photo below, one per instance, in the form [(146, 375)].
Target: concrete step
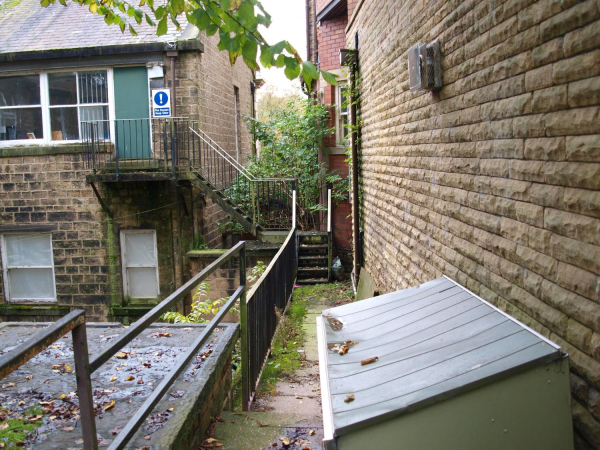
[(310, 281)]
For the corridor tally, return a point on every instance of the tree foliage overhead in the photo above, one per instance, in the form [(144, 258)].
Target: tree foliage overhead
[(236, 21)]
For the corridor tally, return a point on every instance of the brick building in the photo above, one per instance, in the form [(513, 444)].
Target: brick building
[(71, 236), (325, 36), (493, 180)]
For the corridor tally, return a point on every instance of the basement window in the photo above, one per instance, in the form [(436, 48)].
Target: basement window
[(28, 267), (140, 264)]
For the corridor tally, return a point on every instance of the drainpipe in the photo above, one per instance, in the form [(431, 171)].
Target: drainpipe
[(308, 30), (173, 55), (349, 58)]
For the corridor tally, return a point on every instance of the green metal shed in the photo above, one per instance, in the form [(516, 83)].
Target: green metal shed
[(437, 367)]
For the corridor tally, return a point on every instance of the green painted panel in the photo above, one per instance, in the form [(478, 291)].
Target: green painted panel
[(527, 411), (132, 109)]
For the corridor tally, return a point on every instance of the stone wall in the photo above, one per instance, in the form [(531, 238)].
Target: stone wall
[(47, 186), (494, 181)]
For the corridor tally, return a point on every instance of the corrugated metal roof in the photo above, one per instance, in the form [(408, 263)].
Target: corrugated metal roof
[(432, 342), (27, 27)]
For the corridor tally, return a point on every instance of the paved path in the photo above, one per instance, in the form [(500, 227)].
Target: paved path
[(293, 413)]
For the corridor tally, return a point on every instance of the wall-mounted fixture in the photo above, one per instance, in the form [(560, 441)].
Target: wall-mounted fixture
[(425, 67)]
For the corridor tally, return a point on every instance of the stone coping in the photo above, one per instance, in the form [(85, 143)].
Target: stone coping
[(253, 248)]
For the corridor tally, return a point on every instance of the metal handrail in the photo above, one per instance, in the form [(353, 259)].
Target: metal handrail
[(75, 323)]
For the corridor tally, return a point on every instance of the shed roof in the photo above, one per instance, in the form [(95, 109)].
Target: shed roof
[(25, 26), (433, 342)]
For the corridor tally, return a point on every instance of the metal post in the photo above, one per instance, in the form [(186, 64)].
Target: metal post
[(117, 148), (84, 387), (294, 204), (246, 379), (354, 147), (93, 148)]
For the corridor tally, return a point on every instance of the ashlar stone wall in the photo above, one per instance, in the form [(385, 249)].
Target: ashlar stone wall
[(495, 180)]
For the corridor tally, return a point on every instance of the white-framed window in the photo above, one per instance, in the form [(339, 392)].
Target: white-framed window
[(342, 115), (139, 258), (28, 267), (48, 107)]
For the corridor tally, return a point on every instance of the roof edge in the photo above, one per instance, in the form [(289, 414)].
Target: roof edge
[(187, 45), (333, 9)]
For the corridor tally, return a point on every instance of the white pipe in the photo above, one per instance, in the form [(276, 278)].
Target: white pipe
[(328, 210), (293, 209)]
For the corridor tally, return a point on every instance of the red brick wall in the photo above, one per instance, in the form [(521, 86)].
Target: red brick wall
[(341, 217), (331, 36)]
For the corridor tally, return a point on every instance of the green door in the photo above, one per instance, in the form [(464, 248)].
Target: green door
[(132, 108)]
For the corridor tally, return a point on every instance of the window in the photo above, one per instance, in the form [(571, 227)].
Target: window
[(28, 265), (49, 107), (342, 112), (20, 108), (139, 260)]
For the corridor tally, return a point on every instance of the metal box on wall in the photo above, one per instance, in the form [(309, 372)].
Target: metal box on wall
[(436, 367), (425, 67)]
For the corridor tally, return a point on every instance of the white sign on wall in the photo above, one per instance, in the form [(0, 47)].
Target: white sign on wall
[(161, 102)]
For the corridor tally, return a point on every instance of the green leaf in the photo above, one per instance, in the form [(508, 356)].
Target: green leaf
[(225, 5), (93, 7), (132, 30), (225, 42), (245, 15), (249, 52), (309, 71), (162, 26), (280, 61), (177, 6), (211, 29), (159, 13), (200, 19), (278, 48), (122, 25), (149, 21), (292, 68), (329, 77), (266, 56)]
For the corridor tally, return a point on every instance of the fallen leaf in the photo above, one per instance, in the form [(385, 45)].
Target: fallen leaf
[(8, 385), (262, 424), (148, 437), (298, 397), (170, 409), (68, 368), (29, 377), (61, 396), (79, 441), (113, 378), (285, 441), (311, 432), (109, 406), (140, 381), (68, 429), (121, 355), (3, 426), (364, 362), (349, 398), (129, 378)]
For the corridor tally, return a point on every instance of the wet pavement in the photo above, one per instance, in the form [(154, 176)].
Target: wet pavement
[(292, 417), (42, 391)]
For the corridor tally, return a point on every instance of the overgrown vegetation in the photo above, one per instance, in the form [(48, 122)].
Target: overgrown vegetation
[(289, 148), (285, 358), (290, 336), (203, 308)]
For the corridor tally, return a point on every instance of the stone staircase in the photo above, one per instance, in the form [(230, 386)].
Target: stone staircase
[(313, 258)]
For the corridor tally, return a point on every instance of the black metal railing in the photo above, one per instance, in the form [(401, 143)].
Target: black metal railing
[(271, 293), (178, 145), (75, 321)]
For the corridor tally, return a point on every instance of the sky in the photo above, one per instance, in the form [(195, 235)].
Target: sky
[(288, 23)]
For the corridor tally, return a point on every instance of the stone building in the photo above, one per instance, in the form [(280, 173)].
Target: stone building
[(325, 36), (493, 180), (72, 236)]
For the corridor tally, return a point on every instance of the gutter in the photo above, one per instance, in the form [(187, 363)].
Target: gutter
[(106, 50)]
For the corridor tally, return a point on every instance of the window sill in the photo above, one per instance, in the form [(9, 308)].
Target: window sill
[(33, 310), (43, 149)]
